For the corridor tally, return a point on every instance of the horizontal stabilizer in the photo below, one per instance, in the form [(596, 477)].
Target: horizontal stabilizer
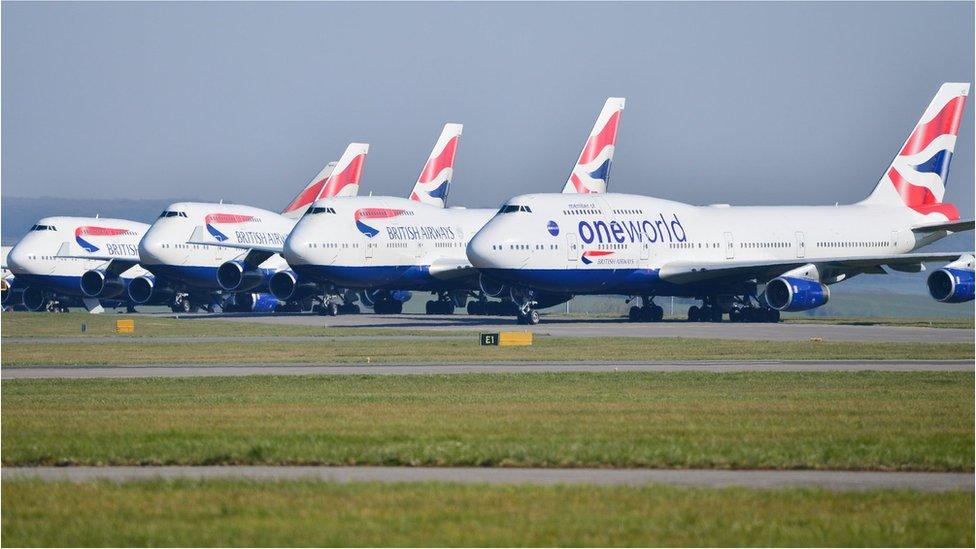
[(951, 226)]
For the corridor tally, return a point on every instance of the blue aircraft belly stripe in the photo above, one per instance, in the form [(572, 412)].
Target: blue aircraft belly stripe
[(389, 277)]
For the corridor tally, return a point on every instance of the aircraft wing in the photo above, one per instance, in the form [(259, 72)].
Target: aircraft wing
[(450, 269), (684, 272), (201, 236)]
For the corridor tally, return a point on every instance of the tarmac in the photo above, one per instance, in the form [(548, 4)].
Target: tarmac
[(610, 327), (217, 370), (757, 479)]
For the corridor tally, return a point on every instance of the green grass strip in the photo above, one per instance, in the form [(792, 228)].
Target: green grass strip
[(828, 420), (242, 513)]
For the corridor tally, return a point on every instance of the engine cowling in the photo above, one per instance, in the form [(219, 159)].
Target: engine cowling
[(257, 303), (34, 299), (286, 286), (100, 284), (492, 288), (146, 289), (370, 297), (795, 294), (950, 285), (236, 276)]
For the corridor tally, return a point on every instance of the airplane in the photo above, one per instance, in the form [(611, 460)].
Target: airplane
[(389, 243), (431, 188), (51, 264), (750, 262), (196, 270)]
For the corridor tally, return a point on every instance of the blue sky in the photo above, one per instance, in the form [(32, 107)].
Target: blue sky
[(754, 103)]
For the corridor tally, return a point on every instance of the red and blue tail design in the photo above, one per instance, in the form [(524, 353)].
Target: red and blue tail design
[(434, 182), (917, 176), (374, 213), (224, 218), (592, 171), (336, 179), (90, 231)]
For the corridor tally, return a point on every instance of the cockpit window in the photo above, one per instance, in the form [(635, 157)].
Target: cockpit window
[(509, 208), (172, 213), (320, 210), (43, 228)]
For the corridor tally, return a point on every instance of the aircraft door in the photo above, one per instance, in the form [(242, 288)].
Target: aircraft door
[(729, 246), (572, 247), (369, 250), (801, 246)]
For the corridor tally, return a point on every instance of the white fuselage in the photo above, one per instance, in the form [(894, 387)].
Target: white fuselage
[(617, 243), (166, 252), (52, 255), (384, 242)]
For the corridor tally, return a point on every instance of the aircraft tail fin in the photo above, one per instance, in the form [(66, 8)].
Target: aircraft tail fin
[(592, 171), (434, 182), (336, 179), (917, 176)]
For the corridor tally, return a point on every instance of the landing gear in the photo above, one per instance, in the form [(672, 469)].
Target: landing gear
[(740, 309), (444, 304), (440, 307), (647, 312), (531, 317), (525, 302), (710, 311), (181, 304)]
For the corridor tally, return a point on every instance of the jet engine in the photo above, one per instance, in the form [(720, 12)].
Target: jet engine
[(286, 286), (493, 288), (100, 284), (795, 294), (257, 303), (146, 289), (950, 285), (237, 276), (34, 299)]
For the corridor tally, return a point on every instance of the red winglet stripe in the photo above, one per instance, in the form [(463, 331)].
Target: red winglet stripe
[(598, 142), (946, 122)]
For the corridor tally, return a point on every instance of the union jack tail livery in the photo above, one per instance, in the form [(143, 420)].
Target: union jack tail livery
[(309, 194), (434, 182), (592, 171), (337, 179), (917, 176)]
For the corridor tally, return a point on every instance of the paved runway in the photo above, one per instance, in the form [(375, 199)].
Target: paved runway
[(829, 480), (217, 370), (564, 326)]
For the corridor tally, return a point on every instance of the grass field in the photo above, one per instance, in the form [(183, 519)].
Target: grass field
[(546, 349), (242, 513), (866, 421), (21, 324)]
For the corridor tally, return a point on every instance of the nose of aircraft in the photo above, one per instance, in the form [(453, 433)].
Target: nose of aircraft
[(479, 250), (296, 248), (150, 247), (17, 260)]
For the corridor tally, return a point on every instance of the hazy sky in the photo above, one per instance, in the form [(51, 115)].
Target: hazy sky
[(739, 103)]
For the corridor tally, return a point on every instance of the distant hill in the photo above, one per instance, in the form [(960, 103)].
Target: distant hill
[(18, 214)]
